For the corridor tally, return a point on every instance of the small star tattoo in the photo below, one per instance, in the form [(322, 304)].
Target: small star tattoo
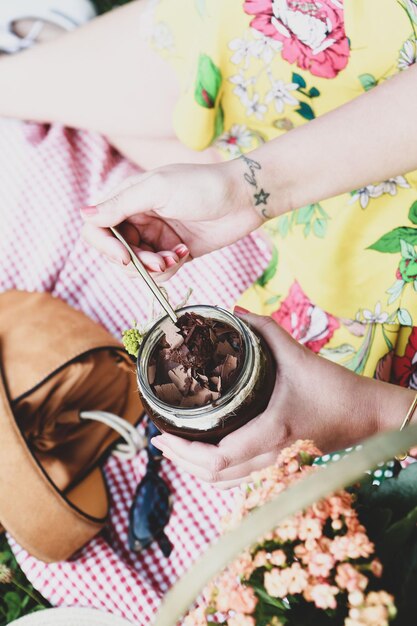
[(261, 197)]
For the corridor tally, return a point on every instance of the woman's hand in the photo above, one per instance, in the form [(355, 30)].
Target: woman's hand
[(172, 213), (313, 399)]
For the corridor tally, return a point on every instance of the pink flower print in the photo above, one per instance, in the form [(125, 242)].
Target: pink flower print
[(312, 33), (306, 322)]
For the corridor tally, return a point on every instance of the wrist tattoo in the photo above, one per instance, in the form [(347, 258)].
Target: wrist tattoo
[(260, 196)]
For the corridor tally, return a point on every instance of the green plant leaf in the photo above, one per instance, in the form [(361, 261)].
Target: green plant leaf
[(412, 213), (208, 82), (390, 242), (368, 81), (305, 111), (270, 270), (399, 494), (13, 604), (320, 227), (397, 535), (296, 78), (269, 599), (314, 92), (404, 317)]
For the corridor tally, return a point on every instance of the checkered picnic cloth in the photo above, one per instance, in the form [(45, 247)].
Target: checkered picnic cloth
[(46, 174)]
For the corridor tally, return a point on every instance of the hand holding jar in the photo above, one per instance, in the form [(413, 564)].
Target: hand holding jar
[(313, 399)]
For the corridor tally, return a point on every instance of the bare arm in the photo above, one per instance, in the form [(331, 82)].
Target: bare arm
[(370, 139)]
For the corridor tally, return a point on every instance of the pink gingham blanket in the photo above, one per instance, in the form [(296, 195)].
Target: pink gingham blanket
[(46, 174)]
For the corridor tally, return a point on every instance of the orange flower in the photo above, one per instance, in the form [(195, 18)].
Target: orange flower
[(274, 583), (231, 595), (295, 578), (278, 558), (349, 578), (239, 619), (309, 528), (320, 564), (323, 595)]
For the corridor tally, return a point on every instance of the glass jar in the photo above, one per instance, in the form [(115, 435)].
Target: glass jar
[(245, 399)]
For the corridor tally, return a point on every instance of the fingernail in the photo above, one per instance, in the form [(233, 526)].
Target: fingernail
[(170, 261), (238, 310), (156, 268), (181, 250), (89, 210)]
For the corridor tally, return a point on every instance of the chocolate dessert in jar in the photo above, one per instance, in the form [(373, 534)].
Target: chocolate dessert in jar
[(205, 376)]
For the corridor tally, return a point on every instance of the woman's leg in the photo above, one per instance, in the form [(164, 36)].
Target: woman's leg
[(102, 77)]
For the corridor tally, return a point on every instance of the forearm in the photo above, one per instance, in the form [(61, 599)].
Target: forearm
[(369, 139)]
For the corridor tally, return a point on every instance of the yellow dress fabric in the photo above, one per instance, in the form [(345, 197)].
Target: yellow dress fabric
[(343, 273)]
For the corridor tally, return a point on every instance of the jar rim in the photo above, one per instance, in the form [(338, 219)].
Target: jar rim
[(243, 377)]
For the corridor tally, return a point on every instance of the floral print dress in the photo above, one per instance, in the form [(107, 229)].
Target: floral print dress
[(343, 272)]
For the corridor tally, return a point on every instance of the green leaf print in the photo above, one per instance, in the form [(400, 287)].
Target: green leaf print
[(296, 78), (208, 83), (283, 226), (304, 215), (412, 213), (320, 227), (270, 271), (200, 5), (273, 300), (368, 81), (305, 111), (219, 123), (314, 92), (390, 242), (404, 317)]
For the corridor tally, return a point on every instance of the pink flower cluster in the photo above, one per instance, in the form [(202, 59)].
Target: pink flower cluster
[(321, 556)]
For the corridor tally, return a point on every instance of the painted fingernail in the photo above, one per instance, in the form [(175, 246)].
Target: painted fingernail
[(181, 250), (238, 310), (89, 210)]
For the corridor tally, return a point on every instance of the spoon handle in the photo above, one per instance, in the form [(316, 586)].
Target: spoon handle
[(146, 277)]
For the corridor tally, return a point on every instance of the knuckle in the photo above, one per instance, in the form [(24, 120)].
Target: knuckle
[(218, 463)]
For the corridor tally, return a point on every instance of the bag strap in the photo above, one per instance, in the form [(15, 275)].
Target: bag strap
[(134, 442)]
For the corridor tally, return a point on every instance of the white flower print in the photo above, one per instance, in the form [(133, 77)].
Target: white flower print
[(408, 54), (242, 85), (280, 94), (389, 186), (364, 194), (162, 36), (242, 51), (233, 141), (375, 317), (256, 108), (264, 47), (310, 30)]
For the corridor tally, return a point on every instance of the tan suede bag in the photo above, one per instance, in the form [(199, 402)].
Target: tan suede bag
[(55, 362)]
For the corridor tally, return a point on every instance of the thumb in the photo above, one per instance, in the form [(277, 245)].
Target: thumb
[(138, 196), (275, 336)]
